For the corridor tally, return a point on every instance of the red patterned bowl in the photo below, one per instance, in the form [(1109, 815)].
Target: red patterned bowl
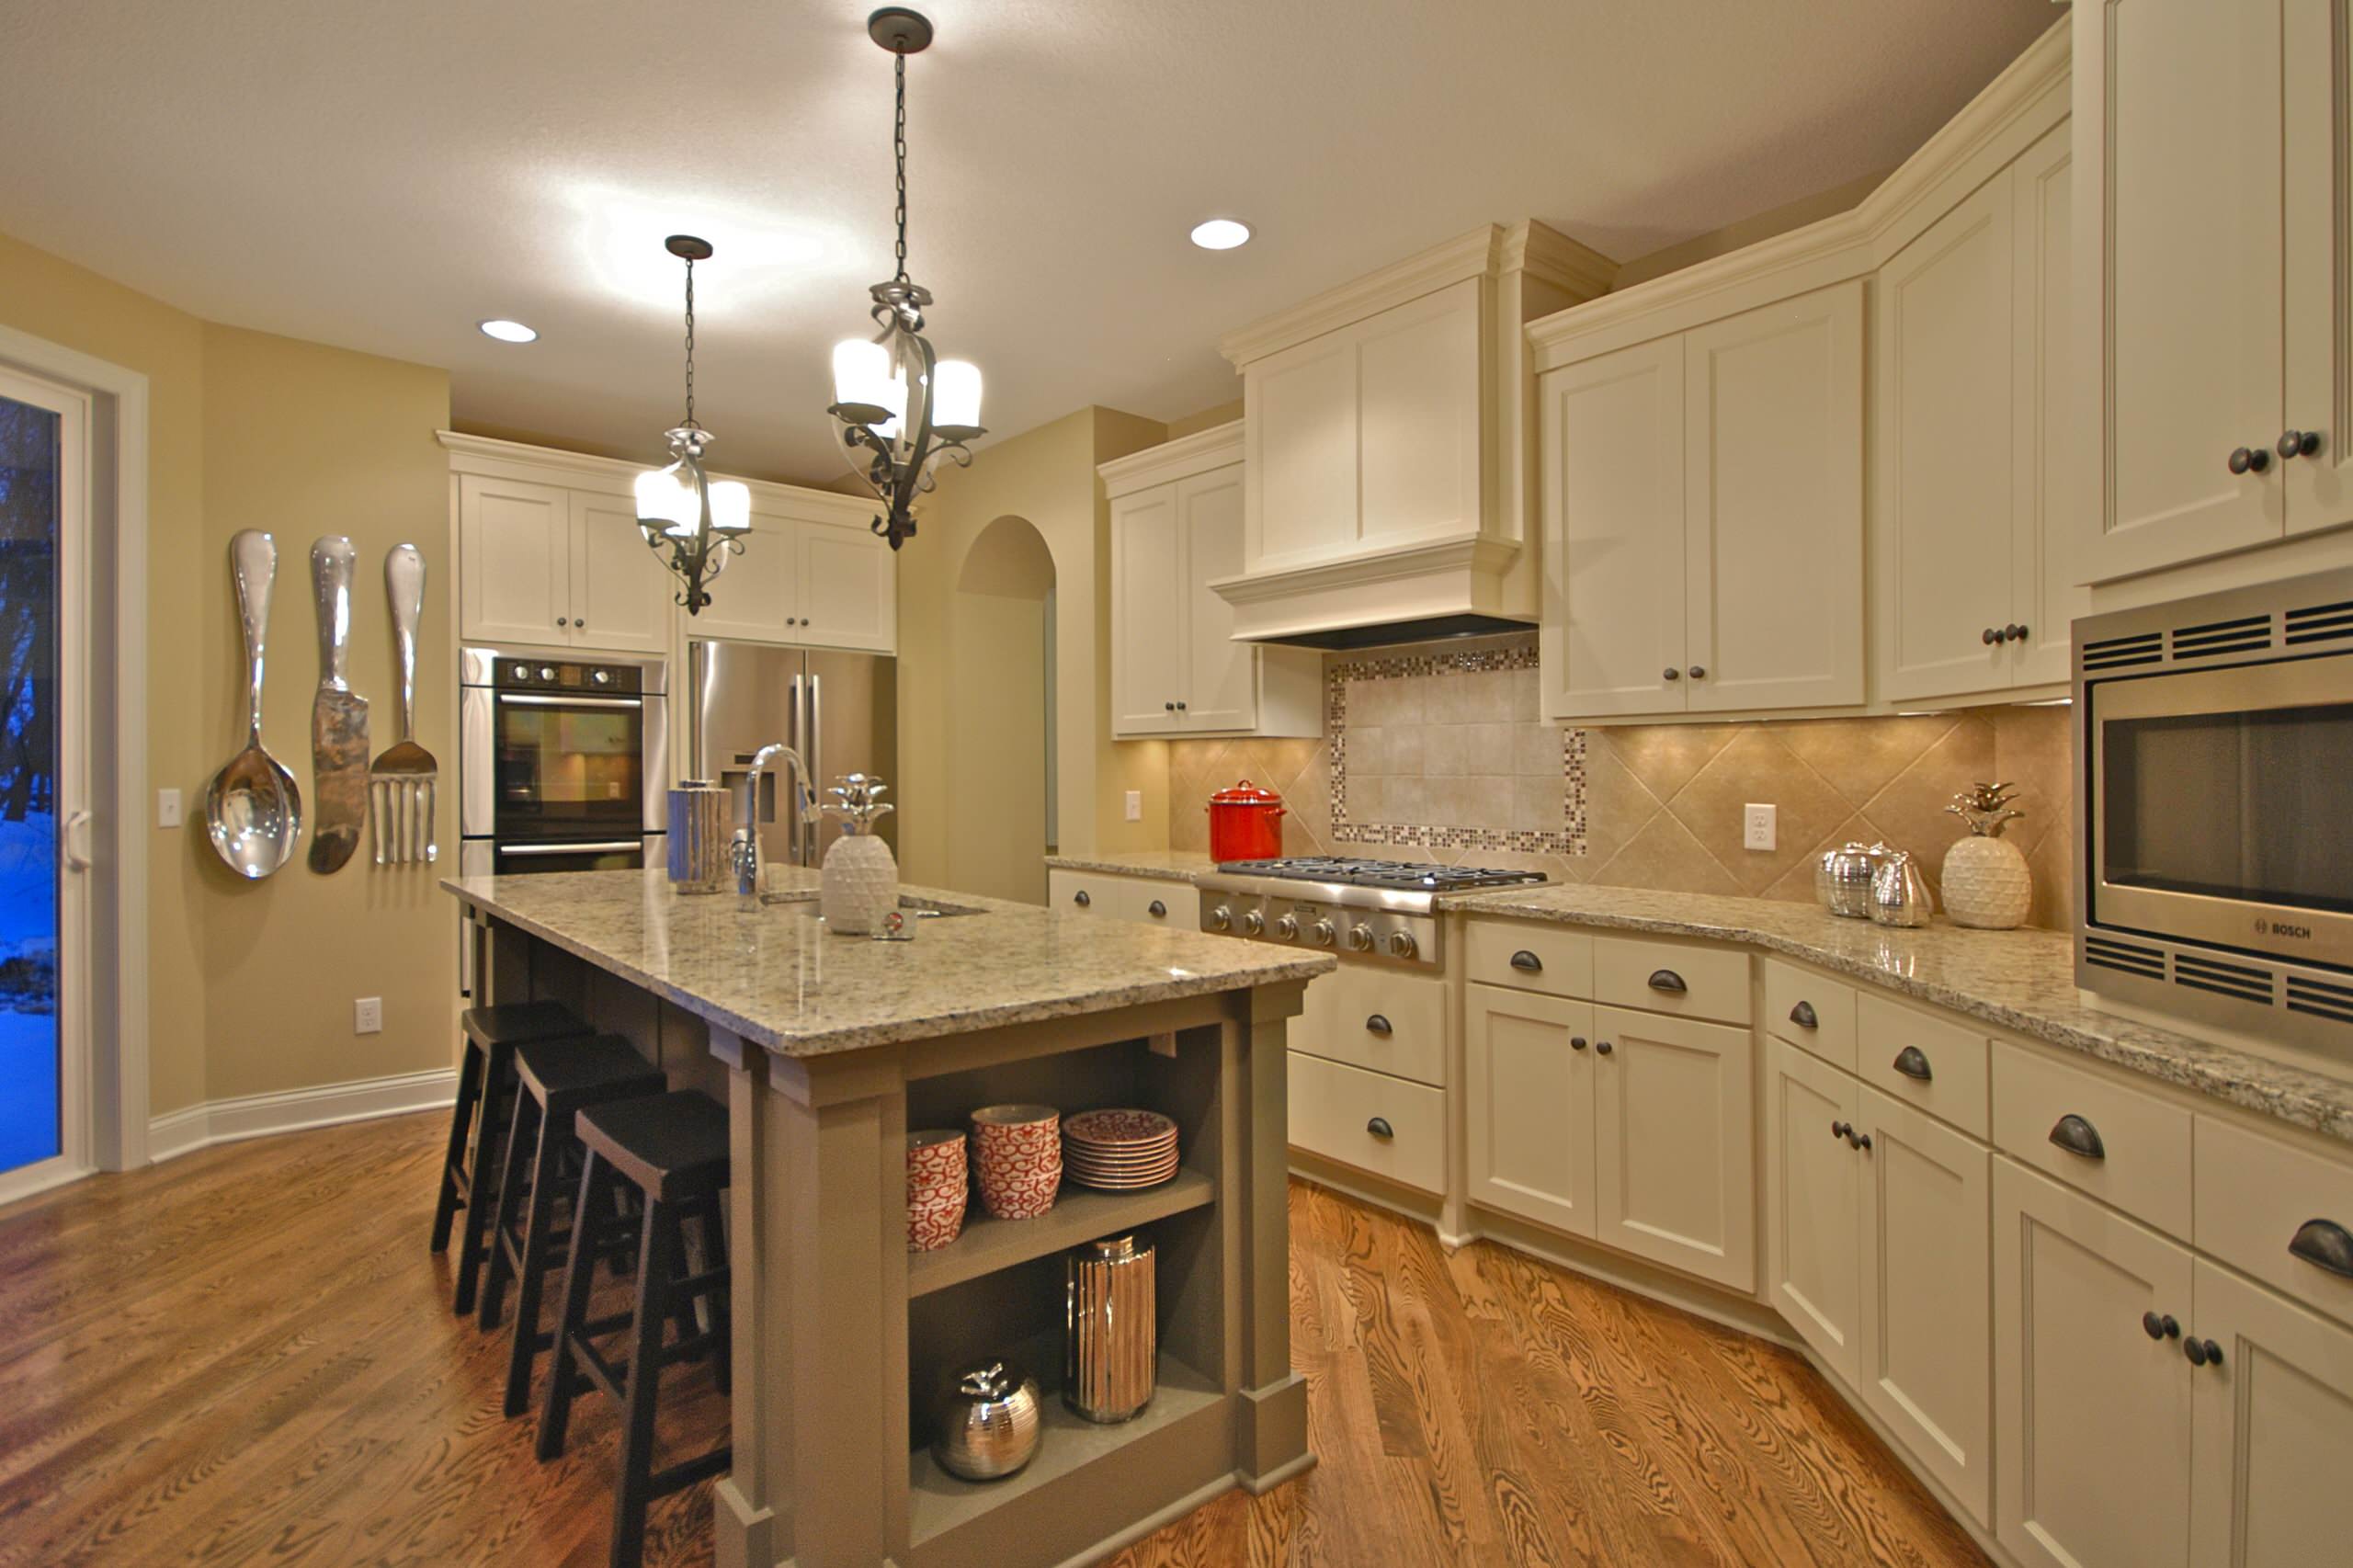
[(936, 1154), (1020, 1192), (934, 1219)]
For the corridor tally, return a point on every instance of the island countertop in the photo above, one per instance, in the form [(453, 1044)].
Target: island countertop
[(773, 974)]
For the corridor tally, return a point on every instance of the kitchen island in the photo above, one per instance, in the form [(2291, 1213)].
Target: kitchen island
[(826, 1050)]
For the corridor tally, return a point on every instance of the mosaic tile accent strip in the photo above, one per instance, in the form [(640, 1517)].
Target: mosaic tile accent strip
[(1479, 756)]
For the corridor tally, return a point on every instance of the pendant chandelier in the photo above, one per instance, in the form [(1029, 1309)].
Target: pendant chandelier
[(891, 400), (696, 524)]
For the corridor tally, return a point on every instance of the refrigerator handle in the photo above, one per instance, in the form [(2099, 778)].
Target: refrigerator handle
[(794, 738), (816, 761)]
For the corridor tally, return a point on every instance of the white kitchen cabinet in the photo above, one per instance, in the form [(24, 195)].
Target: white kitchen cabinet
[(1813, 1188), (2271, 1425), (2316, 79), (1973, 468), (1528, 1105), (824, 581), (1704, 517), (1176, 526), (1927, 1362), (1673, 1157), (1138, 900), (2092, 1412), (543, 564)]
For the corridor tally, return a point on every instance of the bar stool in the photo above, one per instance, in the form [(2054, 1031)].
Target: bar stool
[(672, 1149), (486, 1079), (555, 1080)]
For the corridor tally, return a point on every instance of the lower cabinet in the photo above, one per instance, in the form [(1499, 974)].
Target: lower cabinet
[(1813, 1198), (1143, 901), (1675, 1160), (1527, 1081), (2271, 1423), (1371, 1120)]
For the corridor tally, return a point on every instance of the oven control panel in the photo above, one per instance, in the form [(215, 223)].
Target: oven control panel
[(1333, 927), (523, 673)]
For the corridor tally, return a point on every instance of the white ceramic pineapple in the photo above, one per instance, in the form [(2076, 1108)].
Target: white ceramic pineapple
[(1987, 882), (860, 881)]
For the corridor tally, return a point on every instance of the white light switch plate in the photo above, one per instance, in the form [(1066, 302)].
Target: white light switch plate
[(1135, 805), (167, 808), (1760, 826), (367, 1015)]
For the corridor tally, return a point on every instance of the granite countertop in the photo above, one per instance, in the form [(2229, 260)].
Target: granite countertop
[(2023, 981), (1174, 863), (775, 976)]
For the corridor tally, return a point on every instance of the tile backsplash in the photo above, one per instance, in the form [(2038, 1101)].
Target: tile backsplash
[(1435, 752)]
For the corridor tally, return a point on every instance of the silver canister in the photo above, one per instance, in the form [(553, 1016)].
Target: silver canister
[(989, 1422), (1899, 892), (1842, 878), (701, 830), (1112, 1346)]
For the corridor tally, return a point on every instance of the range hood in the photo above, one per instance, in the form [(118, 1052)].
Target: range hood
[(1419, 592)]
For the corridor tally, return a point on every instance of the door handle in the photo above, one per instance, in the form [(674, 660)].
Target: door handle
[(1526, 963), (1668, 981), (1912, 1063), (78, 841), (2326, 1245), (1380, 1024), (2079, 1137)]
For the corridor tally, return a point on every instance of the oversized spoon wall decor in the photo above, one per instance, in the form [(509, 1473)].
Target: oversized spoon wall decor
[(252, 811)]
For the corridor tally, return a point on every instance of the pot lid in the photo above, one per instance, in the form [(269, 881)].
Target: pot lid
[(1245, 794)]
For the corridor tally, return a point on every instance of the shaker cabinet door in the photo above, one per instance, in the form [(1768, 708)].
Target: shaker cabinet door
[(1612, 469), (2318, 83), (1147, 613), (1674, 1162), (515, 561), (756, 597), (850, 587), (621, 592), (1220, 684), (1528, 1075), (2048, 460), (1812, 1204), (2273, 1430)]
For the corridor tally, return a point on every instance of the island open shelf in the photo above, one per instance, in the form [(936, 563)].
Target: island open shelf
[(1078, 1216)]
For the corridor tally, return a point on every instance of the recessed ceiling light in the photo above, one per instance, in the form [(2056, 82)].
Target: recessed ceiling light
[(1220, 233), (508, 331)]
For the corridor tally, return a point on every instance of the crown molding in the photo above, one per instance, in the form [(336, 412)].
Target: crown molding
[(1475, 255), (1544, 251), (1218, 446), (547, 465)]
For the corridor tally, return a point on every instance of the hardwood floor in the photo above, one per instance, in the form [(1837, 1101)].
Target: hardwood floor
[(247, 1357)]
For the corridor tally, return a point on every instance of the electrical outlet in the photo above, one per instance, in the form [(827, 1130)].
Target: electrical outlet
[(367, 1015), (1135, 805), (167, 809), (1760, 826)]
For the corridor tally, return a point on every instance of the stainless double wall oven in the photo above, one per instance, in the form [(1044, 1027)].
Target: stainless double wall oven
[(2214, 762), (562, 763)]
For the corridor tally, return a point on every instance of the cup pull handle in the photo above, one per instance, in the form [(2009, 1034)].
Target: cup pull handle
[(1379, 1127), (1668, 981), (1377, 1024), (1157, 909), (1803, 1015), (1912, 1064), (1527, 962), (2075, 1135), (2326, 1244)]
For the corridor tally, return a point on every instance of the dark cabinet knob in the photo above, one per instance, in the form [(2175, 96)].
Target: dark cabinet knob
[(1157, 909), (1082, 898), (1577, 1043), (1860, 1141), (1912, 1063), (563, 620), (579, 625), (1168, 707), (1666, 980), (2160, 1327), (1803, 1015), (1379, 1127), (1380, 1024), (2014, 633), (2078, 1137), (1841, 1130), (2326, 1245), (1699, 671), (1180, 707), (2201, 1352), (1990, 636), (1671, 673), (2250, 460), (2299, 443), (1526, 963), (1602, 1048)]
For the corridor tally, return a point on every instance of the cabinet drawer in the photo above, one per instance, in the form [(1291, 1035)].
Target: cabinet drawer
[(2256, 1196), (1083, 893), (1662, 977), (1371, 1120), (2140, 1146), (1935, 1063), (1532, 957), (1809, 1011), (1157, 903), (1386, 1020)]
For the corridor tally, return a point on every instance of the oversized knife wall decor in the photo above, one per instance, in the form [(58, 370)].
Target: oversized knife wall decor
[(338, 715)]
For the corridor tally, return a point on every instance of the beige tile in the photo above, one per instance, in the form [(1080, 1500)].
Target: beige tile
[(1367, 748), (1664, 756), (1188, 828), (1758, 766), (1487, 749), (1537, 749), (1617, 807), (1796, 883), (1404, 752), (1540, 805), (1485, 803), (1910, 811), (1445, 750), (1405, 802), (1310, 799), (1665, 855), (1527, 690), (1368, 798), (1299, 839), (1859, 757), (2052, 867)]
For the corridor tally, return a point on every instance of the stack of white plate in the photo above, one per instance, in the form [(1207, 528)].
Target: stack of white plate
[(1118, 1151)]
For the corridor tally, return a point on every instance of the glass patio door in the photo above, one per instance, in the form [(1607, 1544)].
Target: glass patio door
[(44, 828)]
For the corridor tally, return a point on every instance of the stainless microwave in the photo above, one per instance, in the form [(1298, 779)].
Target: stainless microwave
[(2214, 771)]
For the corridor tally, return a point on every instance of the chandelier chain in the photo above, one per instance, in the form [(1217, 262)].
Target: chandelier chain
[(899, 154), (690, 342)]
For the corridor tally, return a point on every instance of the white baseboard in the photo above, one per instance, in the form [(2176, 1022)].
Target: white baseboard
[(290, 1110)]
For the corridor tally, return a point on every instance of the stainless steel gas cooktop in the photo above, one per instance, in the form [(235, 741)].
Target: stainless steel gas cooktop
[(1381, 908)]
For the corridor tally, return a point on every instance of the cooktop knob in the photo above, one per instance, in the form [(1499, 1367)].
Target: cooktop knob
[(1360, 938), (1323, 933), (1287, 926), (1254, 923), (602, 677), (1222, 918), (1401, 944)]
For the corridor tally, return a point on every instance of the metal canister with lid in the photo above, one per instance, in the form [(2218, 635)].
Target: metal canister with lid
[(1842, 878), (1111, 1359)]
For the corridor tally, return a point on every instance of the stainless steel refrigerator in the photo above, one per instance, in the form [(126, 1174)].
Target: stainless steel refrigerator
[(840, 711)]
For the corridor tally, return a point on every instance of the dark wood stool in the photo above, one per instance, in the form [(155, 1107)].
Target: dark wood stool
[(673, 1149), (485, 1080), (555, 1080)]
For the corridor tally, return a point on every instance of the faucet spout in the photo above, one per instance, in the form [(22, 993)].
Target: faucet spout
[(746, 852)]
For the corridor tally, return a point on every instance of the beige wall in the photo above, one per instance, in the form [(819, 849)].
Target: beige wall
[(249, 430), (1207, 419), (1748, 230)]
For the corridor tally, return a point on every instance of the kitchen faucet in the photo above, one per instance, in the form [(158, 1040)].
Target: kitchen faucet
[(745, 850)]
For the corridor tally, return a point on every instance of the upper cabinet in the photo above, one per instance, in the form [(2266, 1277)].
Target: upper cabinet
[(1176, 526), (2217, 328), (1389, 476), (550, 554)]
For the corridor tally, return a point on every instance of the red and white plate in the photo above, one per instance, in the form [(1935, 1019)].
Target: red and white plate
[(1120, 1128)]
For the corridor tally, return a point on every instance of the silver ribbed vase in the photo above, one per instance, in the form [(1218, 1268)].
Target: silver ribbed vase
[(1111, 1360), (701, 830)]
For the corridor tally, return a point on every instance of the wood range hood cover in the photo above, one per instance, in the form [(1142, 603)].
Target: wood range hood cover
[(1388, 472)]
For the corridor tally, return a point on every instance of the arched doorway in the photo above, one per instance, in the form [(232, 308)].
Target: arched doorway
[(1000, 800)]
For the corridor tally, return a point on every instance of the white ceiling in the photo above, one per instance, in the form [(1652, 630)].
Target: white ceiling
[(382, 175)]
